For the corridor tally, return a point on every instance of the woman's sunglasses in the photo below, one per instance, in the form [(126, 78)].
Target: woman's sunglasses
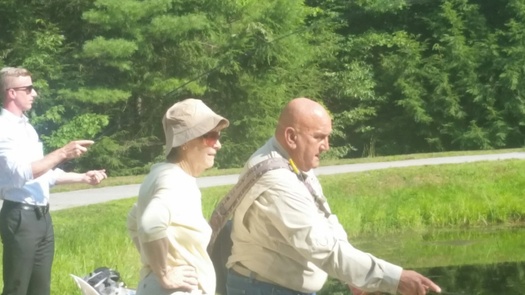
[(211, 138)]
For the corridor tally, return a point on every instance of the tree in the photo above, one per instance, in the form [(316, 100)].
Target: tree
[(229, 53), (427, 75)]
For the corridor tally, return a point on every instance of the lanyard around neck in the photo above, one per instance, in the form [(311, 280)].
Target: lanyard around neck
[(303, 178)]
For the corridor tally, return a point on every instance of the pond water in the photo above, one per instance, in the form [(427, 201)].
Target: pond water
[(507, 278), (478, 261)]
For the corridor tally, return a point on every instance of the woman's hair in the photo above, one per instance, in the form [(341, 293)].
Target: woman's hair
[(173, 155)]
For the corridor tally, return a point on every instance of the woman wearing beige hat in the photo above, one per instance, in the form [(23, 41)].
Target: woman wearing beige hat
[(167, 223)]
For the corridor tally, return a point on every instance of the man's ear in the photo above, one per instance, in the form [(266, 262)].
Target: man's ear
[(290, 136), (9, 95)]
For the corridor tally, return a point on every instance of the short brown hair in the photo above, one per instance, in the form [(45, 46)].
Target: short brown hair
[(10, 72)]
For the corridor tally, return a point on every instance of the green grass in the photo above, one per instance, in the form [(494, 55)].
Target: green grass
[(135, 179), (440, 196), (405, 213)]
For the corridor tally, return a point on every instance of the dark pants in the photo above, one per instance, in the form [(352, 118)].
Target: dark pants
[(29, 246), (241, 285)]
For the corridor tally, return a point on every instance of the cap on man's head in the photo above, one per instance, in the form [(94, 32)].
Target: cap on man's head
[(189, 119)]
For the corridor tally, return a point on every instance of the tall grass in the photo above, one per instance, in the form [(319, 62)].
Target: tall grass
[(374, 207), (418, 198)]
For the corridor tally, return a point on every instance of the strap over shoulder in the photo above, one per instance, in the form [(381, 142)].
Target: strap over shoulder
[(234, 197)]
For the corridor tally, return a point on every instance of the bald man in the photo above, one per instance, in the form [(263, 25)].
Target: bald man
[(285, 239)]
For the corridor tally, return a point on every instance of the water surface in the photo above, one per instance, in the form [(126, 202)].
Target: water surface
[(479, 261)]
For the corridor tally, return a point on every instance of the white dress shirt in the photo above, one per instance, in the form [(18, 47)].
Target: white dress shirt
[(19, 147)]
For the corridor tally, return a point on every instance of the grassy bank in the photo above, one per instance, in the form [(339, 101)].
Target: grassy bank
[(413, 198), (374, 207)]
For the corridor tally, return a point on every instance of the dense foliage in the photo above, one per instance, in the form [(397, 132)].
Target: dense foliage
[(399, 76)]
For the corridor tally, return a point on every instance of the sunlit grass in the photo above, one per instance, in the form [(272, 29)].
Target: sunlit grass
[(413, 198)]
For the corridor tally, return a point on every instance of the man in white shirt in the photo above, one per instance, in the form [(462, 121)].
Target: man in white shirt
[(285, 238), (26, 175)]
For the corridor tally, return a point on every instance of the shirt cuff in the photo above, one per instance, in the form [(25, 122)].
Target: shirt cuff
[(392, 275), (53, 176)]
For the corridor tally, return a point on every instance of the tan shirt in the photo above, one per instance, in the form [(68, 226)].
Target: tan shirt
[(169, 206), (280, 233)]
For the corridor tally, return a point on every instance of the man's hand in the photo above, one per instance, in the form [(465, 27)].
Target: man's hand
[(95, 177), (70, 151), (182, 278), (76, 148), (413, 283)]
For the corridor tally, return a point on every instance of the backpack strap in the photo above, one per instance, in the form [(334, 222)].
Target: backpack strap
[(231, 201)]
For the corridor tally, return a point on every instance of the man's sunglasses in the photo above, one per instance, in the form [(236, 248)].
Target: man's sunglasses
[(28, 89), (211, 138)]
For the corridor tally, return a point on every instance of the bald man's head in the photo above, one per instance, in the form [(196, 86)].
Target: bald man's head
[(303, 130)]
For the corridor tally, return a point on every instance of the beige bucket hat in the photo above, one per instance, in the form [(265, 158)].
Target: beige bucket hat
[(189, 119)]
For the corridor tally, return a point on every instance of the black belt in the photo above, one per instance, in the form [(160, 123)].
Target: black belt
[(39, 210)]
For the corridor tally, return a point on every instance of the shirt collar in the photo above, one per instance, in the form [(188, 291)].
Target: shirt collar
[(279, 148), (12, 117)]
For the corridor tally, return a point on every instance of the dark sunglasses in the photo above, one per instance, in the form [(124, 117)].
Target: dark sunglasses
[(211, 138), (28, 89)]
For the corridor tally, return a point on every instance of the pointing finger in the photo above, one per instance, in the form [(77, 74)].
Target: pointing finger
[(432, 287), (84, 142)]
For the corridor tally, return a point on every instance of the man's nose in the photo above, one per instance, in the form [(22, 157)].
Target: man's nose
[(325, 146)]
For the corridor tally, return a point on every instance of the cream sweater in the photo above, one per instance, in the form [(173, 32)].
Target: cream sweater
[(169, 205)]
